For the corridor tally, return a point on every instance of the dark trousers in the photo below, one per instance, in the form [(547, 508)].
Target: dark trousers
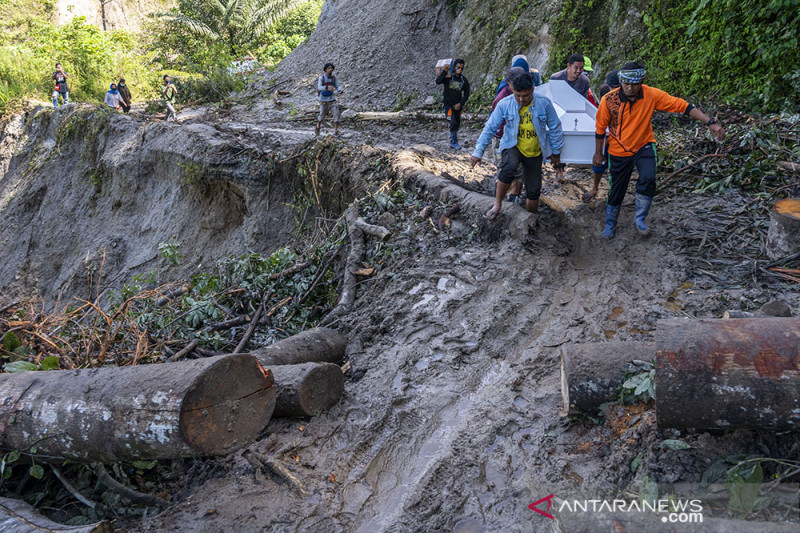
[(510, 159), (455, 119), (125, 107), (621, 168)]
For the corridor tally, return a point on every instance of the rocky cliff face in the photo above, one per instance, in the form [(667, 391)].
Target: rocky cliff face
[(385, 50), (110, 14), (87, 193)]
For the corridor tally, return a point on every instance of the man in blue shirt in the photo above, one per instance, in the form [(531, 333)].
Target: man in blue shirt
[(532, 133)]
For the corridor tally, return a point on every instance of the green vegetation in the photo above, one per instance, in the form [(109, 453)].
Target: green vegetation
[(195, 43), (737, 52), (742, 51)]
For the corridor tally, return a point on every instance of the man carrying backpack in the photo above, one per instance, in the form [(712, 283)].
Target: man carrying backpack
[(456, 94), (327, 87), (60, 77)]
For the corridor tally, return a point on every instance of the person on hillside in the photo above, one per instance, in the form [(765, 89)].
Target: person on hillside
[(327, 87), (113, 98), (627, 112), (125, 94), (170, 95), (574, 75), (455, 94), (60, 88), (612, 82), (532, 133), (520, 61)]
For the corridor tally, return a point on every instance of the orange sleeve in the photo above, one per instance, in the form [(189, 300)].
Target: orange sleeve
[(601, 118), (669, 103)]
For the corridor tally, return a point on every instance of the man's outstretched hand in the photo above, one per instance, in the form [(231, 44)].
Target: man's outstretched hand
[(474, 161)]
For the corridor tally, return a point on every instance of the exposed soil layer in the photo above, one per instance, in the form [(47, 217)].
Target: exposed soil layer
[(450, 416)]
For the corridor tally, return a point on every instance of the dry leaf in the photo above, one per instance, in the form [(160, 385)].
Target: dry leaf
[(302, 428), (364, 272), (332, 478)]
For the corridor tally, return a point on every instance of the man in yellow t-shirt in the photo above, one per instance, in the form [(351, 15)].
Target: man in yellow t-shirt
[(532, 132), (527, 141)]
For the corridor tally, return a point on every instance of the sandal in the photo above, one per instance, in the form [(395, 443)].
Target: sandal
[(491, 214), (337, 133), (316, 130)]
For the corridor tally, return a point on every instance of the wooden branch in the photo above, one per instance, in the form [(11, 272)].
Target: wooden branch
[(669, 177), (444, 220), (252, 327), (278, 468), (72, 490), (289, 271), (127, 492), (185, 351), (370, 229), (174, 293), (357, 250), (789, 166)]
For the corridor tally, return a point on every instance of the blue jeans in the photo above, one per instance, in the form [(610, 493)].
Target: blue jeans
[(64, 95)]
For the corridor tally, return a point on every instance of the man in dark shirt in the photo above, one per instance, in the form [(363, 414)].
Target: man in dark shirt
[(60, 79), (456, 94), (574, 75)]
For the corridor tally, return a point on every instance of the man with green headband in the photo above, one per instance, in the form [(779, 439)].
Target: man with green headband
[(627, 112)]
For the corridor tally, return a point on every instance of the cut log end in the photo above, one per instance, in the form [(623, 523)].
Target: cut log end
[(234, 385), (783, 237), (308, 389)]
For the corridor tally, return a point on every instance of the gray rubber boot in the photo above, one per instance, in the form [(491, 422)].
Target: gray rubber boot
[(641, 208), (612, 214)]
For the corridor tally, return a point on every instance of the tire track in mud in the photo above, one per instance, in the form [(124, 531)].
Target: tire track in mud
[(475, 384)]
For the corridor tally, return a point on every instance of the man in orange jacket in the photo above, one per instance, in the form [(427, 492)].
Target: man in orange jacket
[(626, 113)]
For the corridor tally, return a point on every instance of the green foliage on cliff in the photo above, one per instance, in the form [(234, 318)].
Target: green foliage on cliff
[(739, 52), (742, 51), (92, 58)]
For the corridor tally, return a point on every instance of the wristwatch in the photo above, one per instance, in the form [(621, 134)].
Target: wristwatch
[(712, 121)]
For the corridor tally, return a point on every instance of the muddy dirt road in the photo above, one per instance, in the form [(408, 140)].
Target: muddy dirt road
[(449, 422)]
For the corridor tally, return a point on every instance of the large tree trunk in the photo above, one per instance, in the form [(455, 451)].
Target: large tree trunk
[(316, 345), (202, 407), (592, 373), (783, 238), (307, 389), (737, 373), (19, 517)]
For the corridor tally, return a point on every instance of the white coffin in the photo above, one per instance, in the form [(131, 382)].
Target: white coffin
[(577, 120)]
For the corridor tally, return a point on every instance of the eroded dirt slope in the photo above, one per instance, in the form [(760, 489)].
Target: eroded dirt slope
[(450, 419)]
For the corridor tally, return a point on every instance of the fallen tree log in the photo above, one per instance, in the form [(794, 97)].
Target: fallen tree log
[(315, 345), (194, 408), (308, 389), (735, 373), (783, 237), (592, 373), (19, 517), (357, 250)]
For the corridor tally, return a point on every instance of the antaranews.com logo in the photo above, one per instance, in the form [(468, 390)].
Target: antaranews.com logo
[(674, 511)]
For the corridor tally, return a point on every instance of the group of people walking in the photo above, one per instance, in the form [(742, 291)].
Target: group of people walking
[(118, 95), (526, 131)]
